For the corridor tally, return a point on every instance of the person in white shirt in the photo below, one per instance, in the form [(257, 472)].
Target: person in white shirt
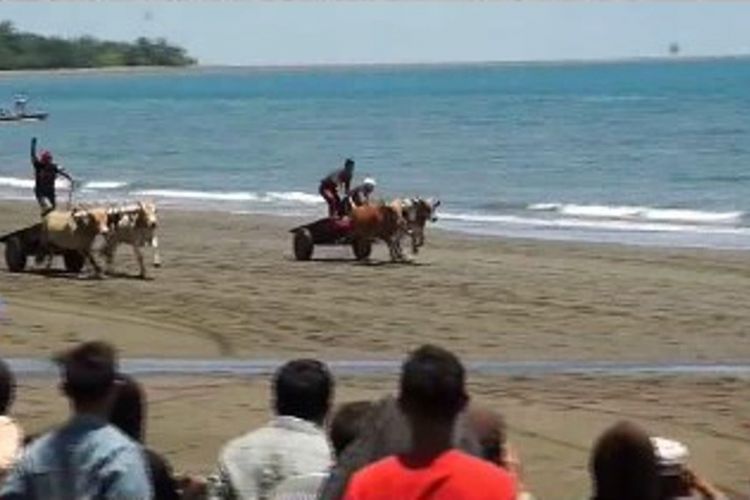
[(11, 434), (293, 443)]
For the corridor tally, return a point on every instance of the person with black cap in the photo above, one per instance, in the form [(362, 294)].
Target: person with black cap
[(329, 187), (86, 457)]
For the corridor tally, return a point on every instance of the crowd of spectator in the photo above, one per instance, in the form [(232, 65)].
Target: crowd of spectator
[(428, 442)]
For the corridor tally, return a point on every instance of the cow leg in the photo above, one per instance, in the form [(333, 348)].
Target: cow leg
[(139, 257), (157, 256), (402, 255), (110, 247), (94, 263), (392, 249), (397, 255), (414, 241)]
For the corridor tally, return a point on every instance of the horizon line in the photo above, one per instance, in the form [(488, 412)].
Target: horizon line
[(380, 65)]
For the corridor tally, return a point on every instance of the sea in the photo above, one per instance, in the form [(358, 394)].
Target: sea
[(650, 152)]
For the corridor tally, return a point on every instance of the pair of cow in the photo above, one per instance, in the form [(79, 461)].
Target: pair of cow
[(77, 229), (390, 222)]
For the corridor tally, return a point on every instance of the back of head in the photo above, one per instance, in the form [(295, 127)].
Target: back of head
[(128, 411), (386, 432), (7, 387), (624, 465), (88, 371), (303, 388), (432, 385), (490, 430), (349, 164), (348, 423)]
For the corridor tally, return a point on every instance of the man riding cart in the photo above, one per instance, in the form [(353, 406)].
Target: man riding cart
[(46, 172)]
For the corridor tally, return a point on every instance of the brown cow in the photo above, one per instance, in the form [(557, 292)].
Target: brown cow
[(380, 221)]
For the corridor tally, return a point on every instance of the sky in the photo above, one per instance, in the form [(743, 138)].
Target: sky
[(350, 32)]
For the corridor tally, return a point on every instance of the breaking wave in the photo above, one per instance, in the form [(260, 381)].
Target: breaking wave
[(639, 213)]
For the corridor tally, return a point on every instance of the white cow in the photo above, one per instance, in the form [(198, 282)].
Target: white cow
[(134, 225)]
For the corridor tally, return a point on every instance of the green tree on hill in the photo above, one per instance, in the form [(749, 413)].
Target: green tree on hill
[(29, 51)]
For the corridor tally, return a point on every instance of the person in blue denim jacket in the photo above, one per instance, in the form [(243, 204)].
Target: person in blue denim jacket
[(85, 458)]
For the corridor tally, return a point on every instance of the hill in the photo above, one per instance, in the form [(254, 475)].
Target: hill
[(23, 51)]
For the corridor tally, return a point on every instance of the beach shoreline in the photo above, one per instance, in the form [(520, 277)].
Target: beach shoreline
[(369, 66)]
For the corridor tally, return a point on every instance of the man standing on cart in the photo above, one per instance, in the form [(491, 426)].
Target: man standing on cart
[(45, 174), (329, 187)]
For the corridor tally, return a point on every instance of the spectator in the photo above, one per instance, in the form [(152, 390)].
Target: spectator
[(346, 425), (624, 465), (86, 457), (388, 433), (491, 432), (676, 479), (432, 394), (128, 415), (11, 434), (292, 444)]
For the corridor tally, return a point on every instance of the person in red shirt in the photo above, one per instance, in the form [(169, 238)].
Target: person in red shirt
[(432, 394)]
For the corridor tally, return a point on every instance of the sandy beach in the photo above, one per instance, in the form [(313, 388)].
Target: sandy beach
[(230, 288)]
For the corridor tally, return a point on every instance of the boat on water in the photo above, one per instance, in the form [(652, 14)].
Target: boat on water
[(20, 112)]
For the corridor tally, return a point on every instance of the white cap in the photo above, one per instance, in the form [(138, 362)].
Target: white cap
[(369, 181), (670, 453)]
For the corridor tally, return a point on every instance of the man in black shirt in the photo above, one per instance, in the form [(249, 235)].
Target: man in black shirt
[(329, 187), (45, 174)]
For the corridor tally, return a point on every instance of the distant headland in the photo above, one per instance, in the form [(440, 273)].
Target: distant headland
[(28, 51)]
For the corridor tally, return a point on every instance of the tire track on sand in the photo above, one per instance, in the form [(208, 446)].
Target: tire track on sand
[(221, 344)]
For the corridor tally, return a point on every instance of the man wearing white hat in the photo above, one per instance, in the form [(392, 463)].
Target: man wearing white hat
[(360, 194)]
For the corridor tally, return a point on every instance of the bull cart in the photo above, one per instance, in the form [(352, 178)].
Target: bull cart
[(328, 231), (27, 242)]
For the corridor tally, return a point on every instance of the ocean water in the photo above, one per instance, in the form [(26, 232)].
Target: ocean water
[(654, 153)]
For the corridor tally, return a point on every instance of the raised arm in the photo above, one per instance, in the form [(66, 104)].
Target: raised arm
[(33, 150)]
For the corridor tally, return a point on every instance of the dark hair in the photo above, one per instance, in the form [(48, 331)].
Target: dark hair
[(303, 389), (129, 410), (347, 424), (432, 384), (387, 431), (624, 465), (89, 371), (7, 387), (349, 163)]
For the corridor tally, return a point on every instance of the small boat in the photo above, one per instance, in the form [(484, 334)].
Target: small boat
[(20, 113), (12, 117)]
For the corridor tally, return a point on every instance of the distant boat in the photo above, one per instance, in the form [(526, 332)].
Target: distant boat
[(20, 113)]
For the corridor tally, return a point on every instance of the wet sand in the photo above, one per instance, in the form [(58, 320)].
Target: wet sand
[(230, 288)]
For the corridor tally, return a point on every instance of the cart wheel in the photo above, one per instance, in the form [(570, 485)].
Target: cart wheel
[(362, 248), (15, 256), (73, 261), (303, 244)]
